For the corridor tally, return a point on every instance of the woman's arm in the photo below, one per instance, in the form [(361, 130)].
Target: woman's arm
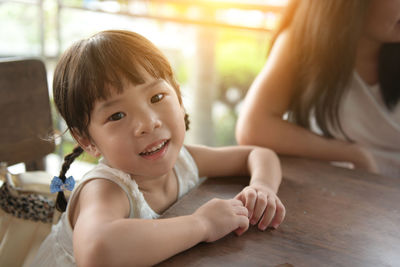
[(261, 164), (103, 236), (261, 123)]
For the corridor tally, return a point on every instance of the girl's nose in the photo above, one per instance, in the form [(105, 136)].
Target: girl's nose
[(146, 124)]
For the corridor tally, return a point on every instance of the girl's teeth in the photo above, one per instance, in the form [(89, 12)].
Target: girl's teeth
[(154, 148)]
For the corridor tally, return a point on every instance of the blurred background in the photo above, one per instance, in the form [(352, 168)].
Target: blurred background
[(216, 48)]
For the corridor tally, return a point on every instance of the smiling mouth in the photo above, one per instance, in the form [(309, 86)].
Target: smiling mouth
[(154, 149)]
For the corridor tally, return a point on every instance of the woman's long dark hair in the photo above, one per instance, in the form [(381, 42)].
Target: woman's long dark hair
[(324, 37), (389, 74)]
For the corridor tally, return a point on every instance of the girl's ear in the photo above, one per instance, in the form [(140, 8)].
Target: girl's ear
[(86, 143)]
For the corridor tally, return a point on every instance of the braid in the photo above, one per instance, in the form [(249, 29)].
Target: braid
[(187, 121), (61, 202)]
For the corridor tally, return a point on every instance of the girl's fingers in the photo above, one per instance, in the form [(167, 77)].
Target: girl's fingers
[(242, 211), (240, 197), (269, 213), (248, 196), (259, 208), (279, 214), (236, 202), (251, 198), (262, 208), (243, 225)]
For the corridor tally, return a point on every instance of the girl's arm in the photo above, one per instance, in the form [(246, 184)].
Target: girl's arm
[(262, 164), (104, 236), (260, 121)]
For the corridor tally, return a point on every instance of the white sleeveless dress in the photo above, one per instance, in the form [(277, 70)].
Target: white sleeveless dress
[(366, 120), (57, 248)]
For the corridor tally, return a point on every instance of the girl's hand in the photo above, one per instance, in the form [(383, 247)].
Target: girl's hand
[(220, 217), (263, 205)]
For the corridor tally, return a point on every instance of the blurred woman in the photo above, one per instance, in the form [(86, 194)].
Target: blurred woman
[(331, 85)]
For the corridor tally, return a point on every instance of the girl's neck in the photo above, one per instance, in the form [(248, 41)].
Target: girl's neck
[(160, 192), (151, 183), (367, 60)]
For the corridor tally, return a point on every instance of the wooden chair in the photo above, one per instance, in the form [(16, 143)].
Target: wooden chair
[(25, 113), (25, 125)]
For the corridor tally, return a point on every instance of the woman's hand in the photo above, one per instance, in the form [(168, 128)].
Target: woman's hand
[(263, 205), (220, 217), (364, 159)]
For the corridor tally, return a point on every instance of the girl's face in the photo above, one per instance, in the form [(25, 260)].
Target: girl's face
[(139, 131), (382, 22)]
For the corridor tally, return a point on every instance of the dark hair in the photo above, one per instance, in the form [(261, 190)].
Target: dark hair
[(389, 73), (61, 202), (90, 68), (323, 38)]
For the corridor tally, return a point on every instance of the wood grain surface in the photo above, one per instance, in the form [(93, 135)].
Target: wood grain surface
[(334, 217)]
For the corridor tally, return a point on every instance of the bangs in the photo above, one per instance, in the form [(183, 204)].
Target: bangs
[(94, 68), (111, 62)]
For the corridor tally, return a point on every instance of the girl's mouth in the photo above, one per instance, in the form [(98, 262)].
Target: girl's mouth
[(155, 151)]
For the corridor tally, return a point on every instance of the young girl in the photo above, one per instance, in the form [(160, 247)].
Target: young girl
[(118, 96), (336, 63)]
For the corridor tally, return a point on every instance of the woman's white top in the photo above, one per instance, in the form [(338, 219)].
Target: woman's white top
[(57, 248), (366, 120)]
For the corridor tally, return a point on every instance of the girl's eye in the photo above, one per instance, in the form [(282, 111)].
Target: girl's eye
[(116, 116), (157, 98)]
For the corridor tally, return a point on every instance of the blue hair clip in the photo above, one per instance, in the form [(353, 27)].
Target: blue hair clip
[(57, 184)]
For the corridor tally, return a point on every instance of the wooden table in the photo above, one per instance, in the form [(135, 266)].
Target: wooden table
[(334, 217)]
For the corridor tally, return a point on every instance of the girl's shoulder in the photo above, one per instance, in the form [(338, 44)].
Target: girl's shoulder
[(101, 181), (106, 175)]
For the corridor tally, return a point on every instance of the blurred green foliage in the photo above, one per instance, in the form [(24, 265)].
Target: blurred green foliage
[(225, 129), (239, 58)]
